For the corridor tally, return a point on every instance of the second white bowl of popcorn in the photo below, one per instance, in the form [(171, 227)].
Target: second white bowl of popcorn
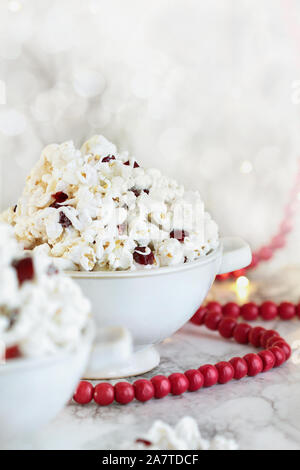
[(46, 334), (142, 248)]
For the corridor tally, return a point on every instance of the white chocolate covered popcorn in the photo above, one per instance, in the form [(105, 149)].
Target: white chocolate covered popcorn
[(41, 310), (94, 208)]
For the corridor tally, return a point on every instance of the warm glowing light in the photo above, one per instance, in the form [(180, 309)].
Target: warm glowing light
[(246, 167), (242, 286)]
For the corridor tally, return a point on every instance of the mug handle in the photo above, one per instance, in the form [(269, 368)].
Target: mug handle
[(236, 254)]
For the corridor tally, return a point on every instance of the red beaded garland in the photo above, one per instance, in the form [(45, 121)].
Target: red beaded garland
[(124, 393), (162, 386), (271, 341), (210, 375), (199, 316), (215, 317), (268, 310), (285, 347), (227, 327), (195, 378), (255, 335), (225, 372), (266, 336), (212, 320), (231, 309), (249, 311), (255, 364), (104, 394), (214, 307), (278, 354), (84, 393), (179, 383), (143, 390), (286, 311), (240, 367), (268, 359), (241, 333)]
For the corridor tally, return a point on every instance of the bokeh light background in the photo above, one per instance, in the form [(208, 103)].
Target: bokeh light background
[(206, 90)]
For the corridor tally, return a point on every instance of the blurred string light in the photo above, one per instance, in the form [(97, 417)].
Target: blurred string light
[(242, 288)]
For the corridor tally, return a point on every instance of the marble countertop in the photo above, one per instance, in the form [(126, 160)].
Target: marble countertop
[(259, 413)]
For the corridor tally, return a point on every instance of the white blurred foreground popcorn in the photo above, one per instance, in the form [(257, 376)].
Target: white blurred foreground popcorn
[(41, 310), (184, 436), (97, 209)]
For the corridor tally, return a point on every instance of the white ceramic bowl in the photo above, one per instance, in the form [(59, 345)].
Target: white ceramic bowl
[(153, 304), (34, 390)]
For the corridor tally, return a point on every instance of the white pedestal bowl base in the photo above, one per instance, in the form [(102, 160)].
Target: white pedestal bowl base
[(138, 363)]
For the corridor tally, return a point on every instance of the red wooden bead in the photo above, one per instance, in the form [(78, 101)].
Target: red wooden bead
[(143, 389), (268, 360), (266, 336), (265, 253), (298, 310), (268, 310), (255, 364), (225, 372), (278, 354), (227, 327), (162, 386), (195, 378), (286, 310), (179, 383), (249, 311), (210, 375), (231, 309), (212, 320), (84, 393), (214, 307), (271, 341), (241, 333), (240, 367), (199, 316), (255, 336), (285, 347), (104, 394), (124, 393)]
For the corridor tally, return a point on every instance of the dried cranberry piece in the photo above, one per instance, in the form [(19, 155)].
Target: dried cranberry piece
[(144, 441), (25, 269), (64, 220), (12, 352), (135, 191), (179, 235), (140, 256), (60, 197), (108, 158), (135, 165)]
